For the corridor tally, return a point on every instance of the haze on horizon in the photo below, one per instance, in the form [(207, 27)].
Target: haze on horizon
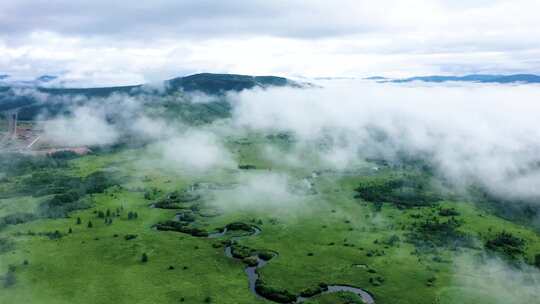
[(125, 42)]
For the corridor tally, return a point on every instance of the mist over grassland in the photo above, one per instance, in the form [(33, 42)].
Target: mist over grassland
[(469, 132), (459, 137), (470, 136)]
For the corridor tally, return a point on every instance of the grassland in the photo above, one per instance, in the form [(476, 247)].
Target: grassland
[(322, 236)]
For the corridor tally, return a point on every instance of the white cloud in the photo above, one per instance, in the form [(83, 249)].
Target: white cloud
[(99, 44), (472, 132), (269, 191), (492, 280), (86, 126), (194, 151)]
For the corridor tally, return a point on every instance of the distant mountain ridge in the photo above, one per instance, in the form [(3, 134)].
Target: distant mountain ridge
[(482, 78), (376, 78), (218, 83), (205, 82), (56, 100)]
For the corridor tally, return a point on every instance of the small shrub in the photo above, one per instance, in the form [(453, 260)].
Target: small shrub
[(448, 212), (265, 255), (128, 237), (312, 291), (274, 294), (251, 261), (507, 244), (247, 167), (54, 235), (239, 226)]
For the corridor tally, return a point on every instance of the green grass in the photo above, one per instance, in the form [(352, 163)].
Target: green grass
[(326, 237), (109, 267)]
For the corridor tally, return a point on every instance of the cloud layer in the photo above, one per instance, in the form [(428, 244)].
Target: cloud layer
[(100, 42), (471, 132)]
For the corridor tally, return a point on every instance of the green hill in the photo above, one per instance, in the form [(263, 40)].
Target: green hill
[(33, 101)]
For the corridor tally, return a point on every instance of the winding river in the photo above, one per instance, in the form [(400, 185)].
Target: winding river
[(253, 276), (251, 272)]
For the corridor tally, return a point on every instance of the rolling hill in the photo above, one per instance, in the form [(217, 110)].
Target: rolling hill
[(33, 100), (482, 78)]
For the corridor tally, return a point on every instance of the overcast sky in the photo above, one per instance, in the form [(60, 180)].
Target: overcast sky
[(124, 42)]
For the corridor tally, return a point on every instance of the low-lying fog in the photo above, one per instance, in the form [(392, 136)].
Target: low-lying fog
[(470, 132)]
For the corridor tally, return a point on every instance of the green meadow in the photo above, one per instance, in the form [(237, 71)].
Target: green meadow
[(321, 229)]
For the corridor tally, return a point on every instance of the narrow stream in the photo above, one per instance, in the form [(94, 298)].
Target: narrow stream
[(364, 295), (253, 276), (251, 272)]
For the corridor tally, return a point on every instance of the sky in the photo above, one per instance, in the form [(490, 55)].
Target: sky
[(125, 42)]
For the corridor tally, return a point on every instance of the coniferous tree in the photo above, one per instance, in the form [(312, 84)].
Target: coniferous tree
[(90, 224), (79, 221), (144, 258)]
